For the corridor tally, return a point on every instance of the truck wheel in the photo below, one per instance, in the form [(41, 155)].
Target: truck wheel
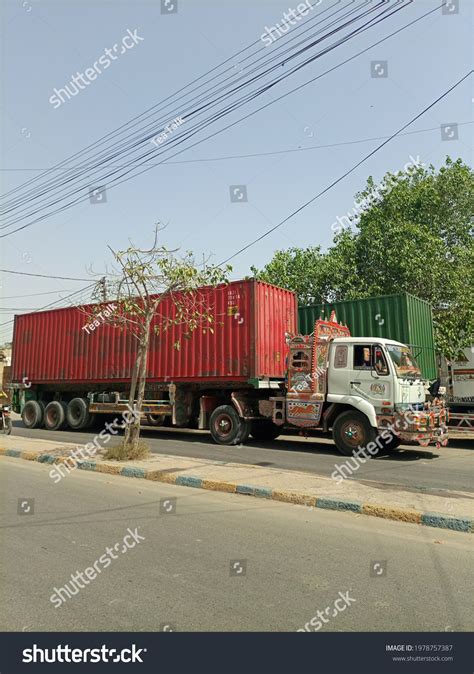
[(55, 415), (155, 419), (264, 430), (352, 430), (226, 427), (33, 414), (77, 414)]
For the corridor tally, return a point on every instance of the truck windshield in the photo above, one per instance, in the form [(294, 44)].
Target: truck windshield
[(403, 361)]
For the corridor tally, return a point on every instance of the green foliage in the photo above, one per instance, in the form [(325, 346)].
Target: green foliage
[(414, 234)]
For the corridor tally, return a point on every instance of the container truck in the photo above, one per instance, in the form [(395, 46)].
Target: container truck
[(253, 376)]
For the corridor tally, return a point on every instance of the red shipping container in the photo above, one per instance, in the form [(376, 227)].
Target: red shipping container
[(252, 317)]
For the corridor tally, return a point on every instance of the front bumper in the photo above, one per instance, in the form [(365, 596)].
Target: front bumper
[(423, 427)]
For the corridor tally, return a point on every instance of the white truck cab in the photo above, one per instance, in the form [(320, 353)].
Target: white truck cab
[(360, 387)]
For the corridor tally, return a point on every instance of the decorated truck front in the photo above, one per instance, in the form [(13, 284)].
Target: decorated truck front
[(364, 389)]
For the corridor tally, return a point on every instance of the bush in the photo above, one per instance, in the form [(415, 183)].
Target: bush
[(122, 452)]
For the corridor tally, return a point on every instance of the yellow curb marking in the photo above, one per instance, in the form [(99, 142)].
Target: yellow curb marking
[(107, 468), (215, 485), (392, 513), (160, 476), (293, 497), (29, 456)]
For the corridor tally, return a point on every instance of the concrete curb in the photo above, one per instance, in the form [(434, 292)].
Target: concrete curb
[(438, 520)]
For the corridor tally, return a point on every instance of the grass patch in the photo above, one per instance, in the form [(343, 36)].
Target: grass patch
[(121, 452)]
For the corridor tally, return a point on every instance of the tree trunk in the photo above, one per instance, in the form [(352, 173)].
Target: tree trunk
[(133, 388), (132, 433)]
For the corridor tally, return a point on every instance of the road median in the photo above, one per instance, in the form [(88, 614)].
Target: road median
[(453, 510)]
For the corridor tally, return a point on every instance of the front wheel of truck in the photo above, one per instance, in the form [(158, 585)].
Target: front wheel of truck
[(226, 427), (352, 431)]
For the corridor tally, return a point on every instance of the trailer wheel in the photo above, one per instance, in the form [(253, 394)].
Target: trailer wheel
[(264, 430), (226, 427), (77, 414), (55, 415), (33, 414), (156, 419), (352, 430)]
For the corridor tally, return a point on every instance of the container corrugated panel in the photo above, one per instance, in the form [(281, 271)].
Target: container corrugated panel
[(248, 342), (403, 318)]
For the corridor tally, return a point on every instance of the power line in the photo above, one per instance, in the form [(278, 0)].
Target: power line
[(270, 152), (49, 292), (24, 273), (48, 306), (351, 170), (178, 140), (159, 106)]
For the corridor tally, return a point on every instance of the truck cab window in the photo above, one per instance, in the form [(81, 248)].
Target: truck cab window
[(362, 357), (340, 356), (381, 366)]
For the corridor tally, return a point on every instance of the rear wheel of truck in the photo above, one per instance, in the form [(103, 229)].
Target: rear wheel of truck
[(77, 414), (55, 415), (264, 430), (226, 427), (33, 414), (352, 430)]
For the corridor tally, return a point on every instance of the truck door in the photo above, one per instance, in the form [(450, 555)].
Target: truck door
[(339, 368), (369, 375)]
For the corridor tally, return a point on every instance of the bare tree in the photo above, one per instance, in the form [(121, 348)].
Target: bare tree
[(141, 280)]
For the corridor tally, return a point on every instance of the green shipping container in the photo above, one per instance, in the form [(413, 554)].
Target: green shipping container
[(403, 318)]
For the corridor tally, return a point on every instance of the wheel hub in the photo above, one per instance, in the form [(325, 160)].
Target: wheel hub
[(353, 433)]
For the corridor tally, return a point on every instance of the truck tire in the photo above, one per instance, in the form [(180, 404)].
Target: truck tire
[(33, 414), (77, 414), (55, 415), (264, 430), (156, 419), (226, 427), (352, 430)]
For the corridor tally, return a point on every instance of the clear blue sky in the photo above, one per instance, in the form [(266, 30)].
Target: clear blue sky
[(46, 42)]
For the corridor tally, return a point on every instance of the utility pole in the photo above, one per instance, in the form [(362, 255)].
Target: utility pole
[(103, 284)]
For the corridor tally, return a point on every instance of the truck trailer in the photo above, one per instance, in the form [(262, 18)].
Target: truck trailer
[(458, 379), (254, 375)]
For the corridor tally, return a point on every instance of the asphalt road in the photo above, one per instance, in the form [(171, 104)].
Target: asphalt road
[(289, 561), (428, 469)]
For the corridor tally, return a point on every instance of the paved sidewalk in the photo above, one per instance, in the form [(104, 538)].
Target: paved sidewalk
[(455, 510)]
